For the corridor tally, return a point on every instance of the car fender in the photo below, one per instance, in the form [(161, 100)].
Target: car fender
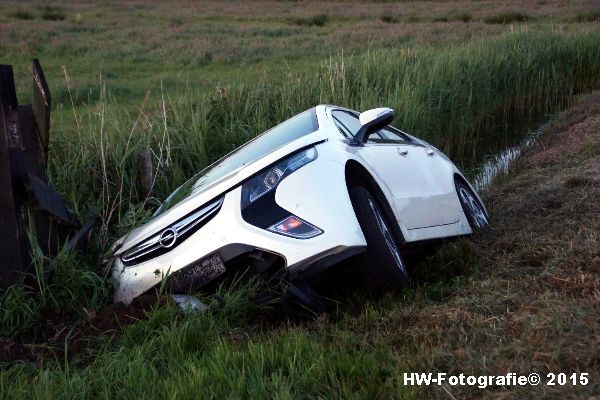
[(318, 194)]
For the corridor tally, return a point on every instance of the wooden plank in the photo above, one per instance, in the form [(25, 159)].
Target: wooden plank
[(41, 103), (13, 251), (48, 200), (8, 95), (30, 146)]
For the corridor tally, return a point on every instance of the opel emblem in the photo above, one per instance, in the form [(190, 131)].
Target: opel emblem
[(168, 238)]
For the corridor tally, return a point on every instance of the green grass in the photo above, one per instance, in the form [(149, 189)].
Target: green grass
[(74, 287), (203, 83), (223, 354)]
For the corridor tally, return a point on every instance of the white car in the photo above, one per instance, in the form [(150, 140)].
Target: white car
[(328, 184)]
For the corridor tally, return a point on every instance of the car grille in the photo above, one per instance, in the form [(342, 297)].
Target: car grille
[(172, 236)]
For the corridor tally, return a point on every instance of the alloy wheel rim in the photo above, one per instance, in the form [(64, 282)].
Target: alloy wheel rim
[(478, 215), (387, 236)]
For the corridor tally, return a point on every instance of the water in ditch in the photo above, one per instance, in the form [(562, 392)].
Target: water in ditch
[(494, 155)]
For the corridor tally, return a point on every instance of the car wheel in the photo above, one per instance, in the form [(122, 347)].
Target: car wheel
[(472, 207), (382, 266)]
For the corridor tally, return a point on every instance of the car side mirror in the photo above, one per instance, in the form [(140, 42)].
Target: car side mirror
[(371, 121)]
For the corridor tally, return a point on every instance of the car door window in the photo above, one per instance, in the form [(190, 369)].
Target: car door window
[(349, 124), (390, 134)]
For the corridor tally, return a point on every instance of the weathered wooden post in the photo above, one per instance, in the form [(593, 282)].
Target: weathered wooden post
[(146, 173), (26, 199)]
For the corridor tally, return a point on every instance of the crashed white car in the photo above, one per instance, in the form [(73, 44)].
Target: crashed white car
[(326, 185)]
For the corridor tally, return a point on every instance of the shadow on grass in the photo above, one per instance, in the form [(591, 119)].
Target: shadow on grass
[(435, 273)]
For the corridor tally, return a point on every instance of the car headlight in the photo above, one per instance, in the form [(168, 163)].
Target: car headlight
[(267, 180), (258, 198)]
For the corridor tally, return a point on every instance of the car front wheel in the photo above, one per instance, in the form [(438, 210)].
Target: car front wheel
[(472, 207), (381, 267)]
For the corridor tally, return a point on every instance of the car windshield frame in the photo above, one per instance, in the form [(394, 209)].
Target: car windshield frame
[(294, 128)]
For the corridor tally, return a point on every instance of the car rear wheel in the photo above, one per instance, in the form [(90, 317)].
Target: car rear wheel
[(381, 267), (472, 207)]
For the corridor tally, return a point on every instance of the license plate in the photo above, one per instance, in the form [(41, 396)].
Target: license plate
[(195, 276), (209, 268)]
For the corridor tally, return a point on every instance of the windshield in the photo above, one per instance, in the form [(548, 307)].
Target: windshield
[(284, 133)]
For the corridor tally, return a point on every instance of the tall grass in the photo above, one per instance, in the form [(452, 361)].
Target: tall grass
[(454, 98), (73, 288)]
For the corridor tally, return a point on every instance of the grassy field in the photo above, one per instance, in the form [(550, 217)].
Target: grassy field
[(133, 46), (192, 81)]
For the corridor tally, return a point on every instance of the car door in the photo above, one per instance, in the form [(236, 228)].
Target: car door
[(410, 172)]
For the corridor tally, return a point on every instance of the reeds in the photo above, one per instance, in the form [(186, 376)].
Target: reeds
[(454, 98)]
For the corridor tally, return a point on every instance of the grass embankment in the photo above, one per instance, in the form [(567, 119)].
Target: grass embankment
[(521, 297)]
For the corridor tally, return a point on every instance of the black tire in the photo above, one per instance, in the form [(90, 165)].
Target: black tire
[(476, 215), (381, 267)]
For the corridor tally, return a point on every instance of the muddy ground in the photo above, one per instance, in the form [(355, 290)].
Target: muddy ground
[(80, 336)]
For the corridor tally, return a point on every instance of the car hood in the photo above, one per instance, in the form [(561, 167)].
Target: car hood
[(201, 194)]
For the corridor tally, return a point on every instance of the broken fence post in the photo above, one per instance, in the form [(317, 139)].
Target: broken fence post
[(26, 199), (146, 173)]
